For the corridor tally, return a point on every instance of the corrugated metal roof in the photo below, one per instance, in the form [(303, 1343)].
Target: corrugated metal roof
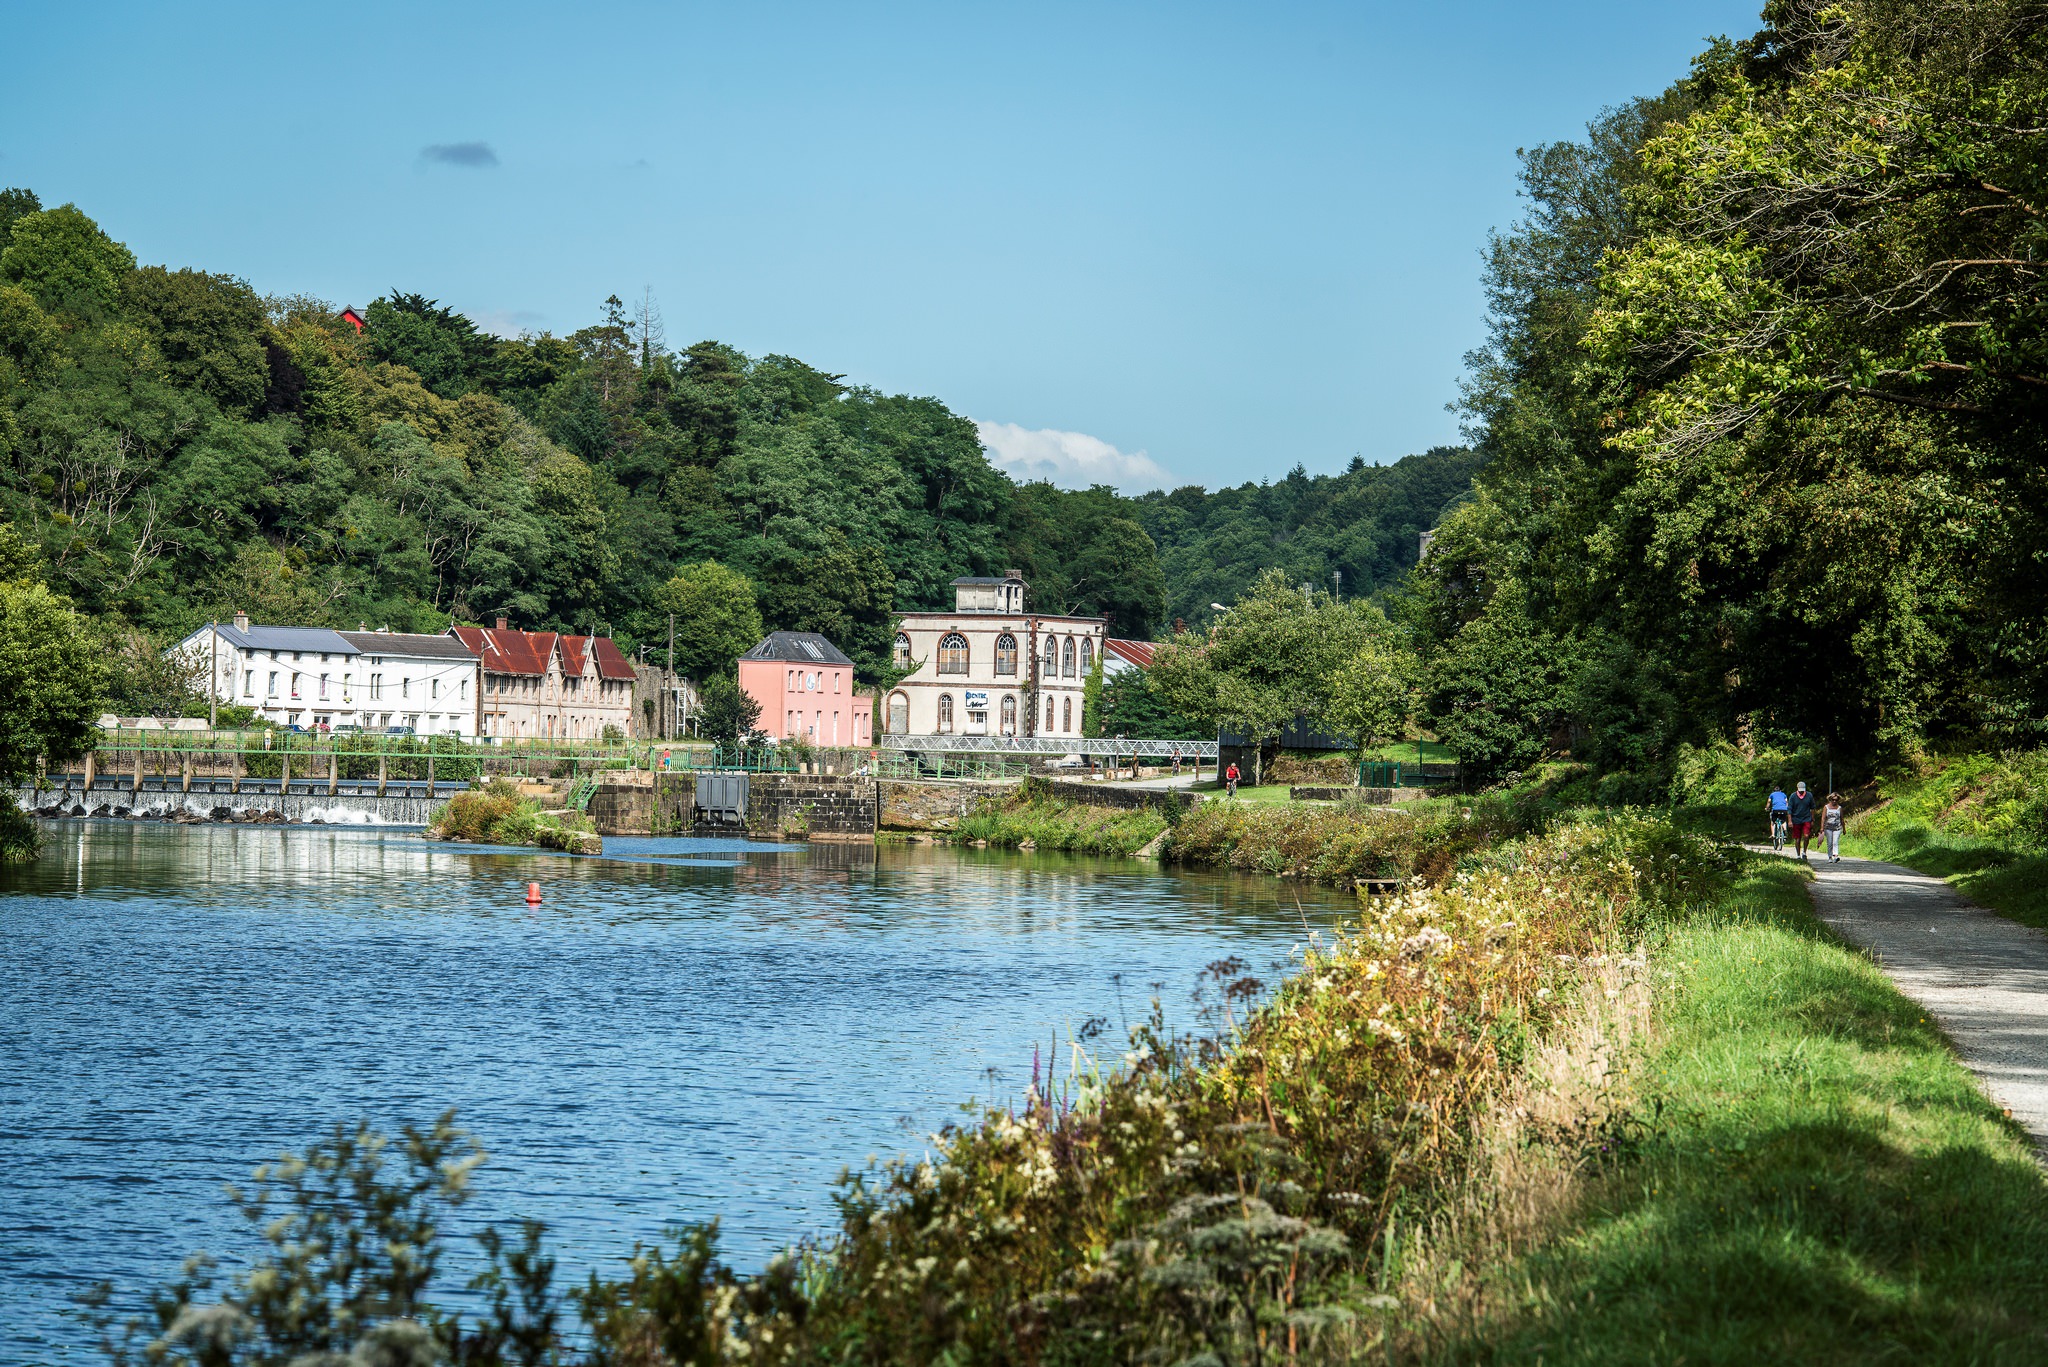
[(797, 647), (409, 643), (1138, 653)]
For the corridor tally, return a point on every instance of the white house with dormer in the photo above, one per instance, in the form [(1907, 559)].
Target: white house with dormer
[(313, 677)]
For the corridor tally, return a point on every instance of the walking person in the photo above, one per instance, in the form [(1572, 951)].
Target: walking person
[(1230, 781), (1831, 823), (1775, 808), (1799, 815)]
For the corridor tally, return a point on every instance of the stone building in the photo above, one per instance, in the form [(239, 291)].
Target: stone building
[(991, 668), (546, 684)]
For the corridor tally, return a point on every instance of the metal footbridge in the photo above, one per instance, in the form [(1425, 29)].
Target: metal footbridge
[(1105, 746)]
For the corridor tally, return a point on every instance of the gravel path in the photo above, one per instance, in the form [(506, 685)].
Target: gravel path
[(1983, 978)]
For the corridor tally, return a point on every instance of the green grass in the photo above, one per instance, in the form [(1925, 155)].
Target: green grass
[(1432, 752), (1053, 824), (1818, 1181)]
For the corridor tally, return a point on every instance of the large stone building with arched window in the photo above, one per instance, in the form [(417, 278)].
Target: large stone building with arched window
[(990, 668)]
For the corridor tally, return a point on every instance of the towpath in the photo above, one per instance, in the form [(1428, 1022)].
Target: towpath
[(1982, 978)]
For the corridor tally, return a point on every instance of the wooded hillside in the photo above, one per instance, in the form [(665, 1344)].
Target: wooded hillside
[(177, 447)]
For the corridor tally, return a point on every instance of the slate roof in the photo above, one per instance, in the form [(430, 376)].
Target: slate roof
[(799, 647), (972, 580), (412, 643), (1138, 653), (282, 638)]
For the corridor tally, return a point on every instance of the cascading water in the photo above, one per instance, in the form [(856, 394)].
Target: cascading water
[(119, 798)]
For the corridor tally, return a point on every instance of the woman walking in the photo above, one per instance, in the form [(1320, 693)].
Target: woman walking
[(1831, 822)]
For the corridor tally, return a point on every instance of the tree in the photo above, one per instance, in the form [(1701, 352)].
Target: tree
[(716, 617), (16, 203), (51, 681), (1501, 690), (62, 258), (725, 715), (208, 329), (1372, 694), (1265, 662)]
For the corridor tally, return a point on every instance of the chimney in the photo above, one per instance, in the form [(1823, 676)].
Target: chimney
[(241, 620), (501, 624), (1013, 574)]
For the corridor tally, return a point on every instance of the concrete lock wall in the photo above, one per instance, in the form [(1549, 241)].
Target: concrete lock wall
[(935, 806), (814, 806), (1109, 795), (665, 807)]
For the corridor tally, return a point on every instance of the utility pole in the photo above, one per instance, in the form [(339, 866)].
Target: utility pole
[(668, 682), (213, 679), (1337, 578)]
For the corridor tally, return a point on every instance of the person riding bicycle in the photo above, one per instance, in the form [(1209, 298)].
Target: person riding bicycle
[(1230, 781), (1799, 813), (1777, 808)]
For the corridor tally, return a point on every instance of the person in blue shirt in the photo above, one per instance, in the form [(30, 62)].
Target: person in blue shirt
[(1776, 808)]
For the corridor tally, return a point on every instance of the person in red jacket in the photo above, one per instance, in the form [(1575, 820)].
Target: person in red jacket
[(1230, 780)]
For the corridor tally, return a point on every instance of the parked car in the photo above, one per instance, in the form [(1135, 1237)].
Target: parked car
[(398, 731)]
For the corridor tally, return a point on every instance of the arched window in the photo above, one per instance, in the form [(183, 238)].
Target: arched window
[(945, 714), (1069, 712), (953, 654), (1052, 656), (1009, 715), (1067, 658), (900, 654), (1087, 656), (1048, 716), (1006, 654), (899, 714)]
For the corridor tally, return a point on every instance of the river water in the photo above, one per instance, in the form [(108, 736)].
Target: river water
[(684, 1028)]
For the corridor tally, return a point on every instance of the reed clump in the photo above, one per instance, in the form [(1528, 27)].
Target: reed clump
[(1048, 823), (1232, 1197), (497, 814)]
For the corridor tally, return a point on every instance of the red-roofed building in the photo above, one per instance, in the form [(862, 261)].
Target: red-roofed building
[(543, 683), (1119, 655)]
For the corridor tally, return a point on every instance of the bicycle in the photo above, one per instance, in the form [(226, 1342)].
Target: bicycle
[(1777, 832)]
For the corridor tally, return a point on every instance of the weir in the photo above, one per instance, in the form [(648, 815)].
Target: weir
[(250, 800)]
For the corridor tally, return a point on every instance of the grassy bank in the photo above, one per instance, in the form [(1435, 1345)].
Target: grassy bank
[(1978, 821), (498, 815), (1806, 1174), (1034, 819)]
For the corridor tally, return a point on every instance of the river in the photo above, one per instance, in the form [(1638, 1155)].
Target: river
[(683, 1028)]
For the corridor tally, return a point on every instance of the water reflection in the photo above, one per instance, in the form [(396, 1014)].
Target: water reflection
[(682, 1028)]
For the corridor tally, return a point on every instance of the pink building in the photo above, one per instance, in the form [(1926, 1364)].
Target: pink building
[(804, 684)]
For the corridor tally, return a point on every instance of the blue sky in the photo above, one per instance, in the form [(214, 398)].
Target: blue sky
[(1152, 244)]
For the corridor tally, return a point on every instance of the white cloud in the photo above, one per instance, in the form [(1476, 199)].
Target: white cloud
[(1072, 460)]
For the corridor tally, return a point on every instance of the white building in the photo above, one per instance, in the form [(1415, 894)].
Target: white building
[(311, 676), (990, 668)]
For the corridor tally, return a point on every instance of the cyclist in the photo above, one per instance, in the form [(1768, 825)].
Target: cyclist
[(1230, 781), (1799, 812), (1776, 808)]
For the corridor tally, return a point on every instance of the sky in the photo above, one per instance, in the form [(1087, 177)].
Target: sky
[(1143, 245)]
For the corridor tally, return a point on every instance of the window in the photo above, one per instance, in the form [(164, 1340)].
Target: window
[(1067, 658), (900, 654), (899, 713), (1052, 657), (405, 687), (295, 683), (789, 680), (248, 683), (953, 654), (323, 686), (273, 683), (1009, 715), (434, 688), (1006, 654), (945, 714), (835, 681), (1068, 712), (462, 690), (1087, 655)]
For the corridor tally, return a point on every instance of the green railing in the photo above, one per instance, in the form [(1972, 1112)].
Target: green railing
[(1387, 773)]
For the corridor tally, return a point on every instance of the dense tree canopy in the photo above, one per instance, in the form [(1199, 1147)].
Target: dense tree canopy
[(176, 448), (1763, 405)]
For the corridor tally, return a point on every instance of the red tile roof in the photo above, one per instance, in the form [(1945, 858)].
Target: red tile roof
[(506, 651), (1138, 653), (610, 663)]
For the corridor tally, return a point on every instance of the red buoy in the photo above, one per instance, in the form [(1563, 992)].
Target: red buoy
[(533, 894)]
